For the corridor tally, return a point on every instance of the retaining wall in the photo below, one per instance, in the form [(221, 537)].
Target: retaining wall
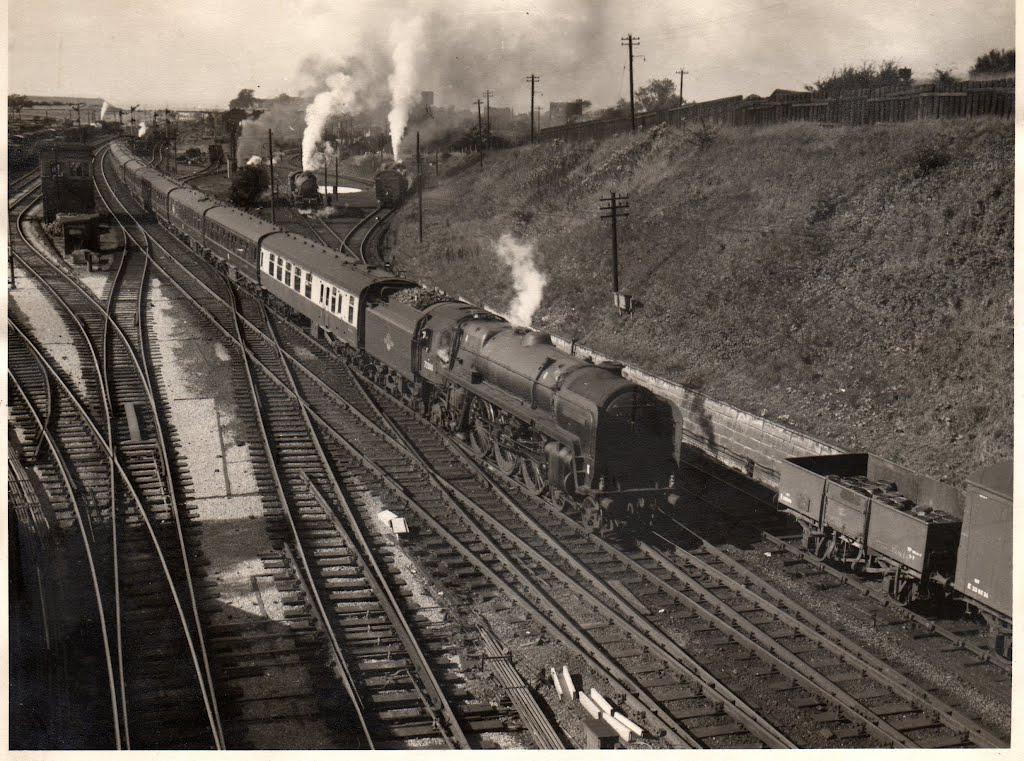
[(737, 439)]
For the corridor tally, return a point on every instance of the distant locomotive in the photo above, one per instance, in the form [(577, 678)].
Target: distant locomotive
[(305, 190), (579, 433), (881, 519), (391, 185)]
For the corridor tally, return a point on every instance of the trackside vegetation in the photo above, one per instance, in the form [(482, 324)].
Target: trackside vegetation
[(855, 283)]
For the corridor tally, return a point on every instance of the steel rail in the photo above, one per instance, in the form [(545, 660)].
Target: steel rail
[(145, 372), (100, 438), (623, 613), (589, 650), (851, 581), (377, 580), (451, 729), (337, 655), (68, 483), (835, 641)]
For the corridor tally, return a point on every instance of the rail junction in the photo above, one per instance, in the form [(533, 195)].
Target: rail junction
[(367, 637)]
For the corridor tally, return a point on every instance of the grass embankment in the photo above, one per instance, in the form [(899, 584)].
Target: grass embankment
[(854, 283)]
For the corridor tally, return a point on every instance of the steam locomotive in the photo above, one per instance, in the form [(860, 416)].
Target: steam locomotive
[(391, 185), (576, 432), (304, 190)]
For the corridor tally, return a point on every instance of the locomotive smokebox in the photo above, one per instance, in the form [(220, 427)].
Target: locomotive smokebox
[(305, 189)]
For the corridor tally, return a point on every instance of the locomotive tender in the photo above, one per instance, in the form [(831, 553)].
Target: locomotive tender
[(576, 432), (391, 185)]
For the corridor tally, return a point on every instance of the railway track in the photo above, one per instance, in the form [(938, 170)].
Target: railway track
[(528, 558), (399, 695), (401, 688), (136, 504), (47, 421), (734, 501)]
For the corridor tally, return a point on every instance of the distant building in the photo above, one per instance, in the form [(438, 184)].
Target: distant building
[(501, 118), (563, 113)]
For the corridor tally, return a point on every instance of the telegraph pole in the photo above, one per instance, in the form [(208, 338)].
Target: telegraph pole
[(337, 158), (488, 94), (270, 147), (681, 72), (419, 182), (630, 40), (616, 206), (533, 79), (480, 130)]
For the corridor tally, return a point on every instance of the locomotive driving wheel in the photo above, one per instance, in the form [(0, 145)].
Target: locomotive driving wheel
[(506, 458), (533, 476), (482, 418)]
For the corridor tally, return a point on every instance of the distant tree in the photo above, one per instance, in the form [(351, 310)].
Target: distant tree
[(285, 98), (620, 109), (656, 95), (245, 100), (867, 75), (994, 62), (247, 185), (17, 102), (944, 77)]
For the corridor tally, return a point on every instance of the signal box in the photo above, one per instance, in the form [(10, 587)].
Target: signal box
[(66, 170)]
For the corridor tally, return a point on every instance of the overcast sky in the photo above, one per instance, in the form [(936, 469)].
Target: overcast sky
[(188, 53)]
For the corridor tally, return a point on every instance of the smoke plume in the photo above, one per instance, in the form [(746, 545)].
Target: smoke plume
[(142, 129), (103, 110), (340, 97), (255, 161), (407, 41), (528, 281)]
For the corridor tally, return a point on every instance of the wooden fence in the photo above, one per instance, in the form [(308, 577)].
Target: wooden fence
[(853, 107)]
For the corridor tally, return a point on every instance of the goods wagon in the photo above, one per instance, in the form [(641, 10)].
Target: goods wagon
[(875, 517), (984, 566)]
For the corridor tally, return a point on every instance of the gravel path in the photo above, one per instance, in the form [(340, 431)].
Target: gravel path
[(233, 530), (47, 324)]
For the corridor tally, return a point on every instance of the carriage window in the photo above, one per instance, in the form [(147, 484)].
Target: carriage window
[(351, 309), (56, 170), (288, 274), (297, 285), (309, 286), (334, 296), (271, 261), (322, 298)]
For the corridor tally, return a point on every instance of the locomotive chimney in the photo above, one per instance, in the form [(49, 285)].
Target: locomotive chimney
[(536, 338)]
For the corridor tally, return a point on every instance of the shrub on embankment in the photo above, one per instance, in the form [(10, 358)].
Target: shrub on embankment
[(855, 283)]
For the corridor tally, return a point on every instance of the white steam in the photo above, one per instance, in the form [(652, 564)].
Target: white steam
[(336, 99), (255, 161), (406, 41), (103, 110), (528, 282), (142, 129)]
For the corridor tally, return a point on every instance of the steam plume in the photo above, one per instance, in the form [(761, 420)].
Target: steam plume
[(528, 282), (254, 161), (337, 98), (103, 110), (406, 39), (142, 129)]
